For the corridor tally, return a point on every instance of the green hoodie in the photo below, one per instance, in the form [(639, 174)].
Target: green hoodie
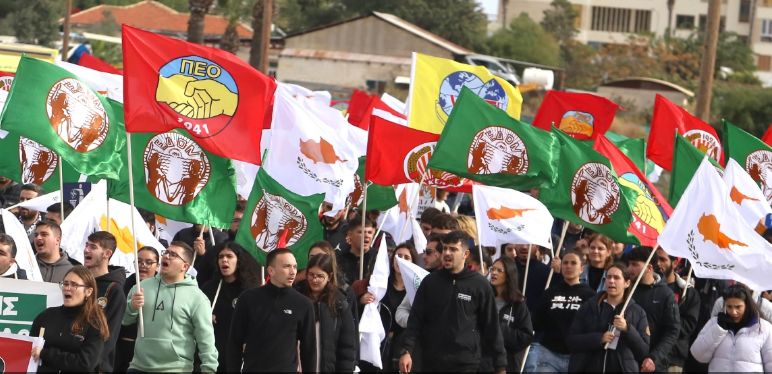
[(173, 313)]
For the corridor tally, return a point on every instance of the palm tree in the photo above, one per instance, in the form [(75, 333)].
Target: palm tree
[(234, 11), (198, 11)]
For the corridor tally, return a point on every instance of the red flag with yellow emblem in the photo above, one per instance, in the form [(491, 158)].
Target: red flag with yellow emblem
[(584, 116), (219, 99)]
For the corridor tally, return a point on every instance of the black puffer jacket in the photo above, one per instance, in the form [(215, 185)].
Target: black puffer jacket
[(591, 322), (516, 327), (661, 308)]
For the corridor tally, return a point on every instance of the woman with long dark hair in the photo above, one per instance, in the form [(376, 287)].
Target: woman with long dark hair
[(148, 260), (232, 275), (514, 319), (739, 339), (600, 259), (75, 333), (598, 322), (335, 334)]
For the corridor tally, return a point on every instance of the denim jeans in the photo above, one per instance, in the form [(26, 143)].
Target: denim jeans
[(551, 362), (532, 359)]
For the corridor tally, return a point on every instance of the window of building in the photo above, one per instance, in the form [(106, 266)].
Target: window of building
[(704, 23), (684, 22), (766, 30), (377, 86), (620, 20), (745, 10), (765, 63)]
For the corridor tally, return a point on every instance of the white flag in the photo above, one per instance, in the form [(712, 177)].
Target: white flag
[(109, 85), (412, 276), (394, 103), (745, 194), (370, 326), (25, 257), (509, 216), (707, 229), (322, 97), (308, 156), (397, 217), (168, 228), (40, 203), (245, 177)]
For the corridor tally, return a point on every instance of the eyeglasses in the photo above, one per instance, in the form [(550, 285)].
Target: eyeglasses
[(317, 278), (65, 285), (497, 270), (429, 252), (173, 255), (147, 263)]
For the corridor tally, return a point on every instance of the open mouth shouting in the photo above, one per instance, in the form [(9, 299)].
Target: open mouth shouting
[(447, 261), (165, 263), (67, 296)]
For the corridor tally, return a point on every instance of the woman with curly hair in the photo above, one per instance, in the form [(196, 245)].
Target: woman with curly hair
[(232, 275)]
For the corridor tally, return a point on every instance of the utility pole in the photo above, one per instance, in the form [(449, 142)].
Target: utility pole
[(66, 40), (265, 43), (708, 65)]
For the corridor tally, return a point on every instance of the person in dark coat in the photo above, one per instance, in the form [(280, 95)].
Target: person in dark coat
[(514, 319), (336, 337), (204, 259), (592, 329), (538, 274), (8, 266)]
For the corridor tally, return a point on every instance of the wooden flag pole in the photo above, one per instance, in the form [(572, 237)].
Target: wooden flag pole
[(410, 207), (525, 283), (363, 215), (211, 235), (200, 235), (134, 231), (216, 294), (479, 245), (688, 279), (560, 245), (61, 189), (640, 276)]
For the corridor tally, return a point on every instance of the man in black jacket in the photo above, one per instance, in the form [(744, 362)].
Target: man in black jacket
[(8, 266), (688, 307), (659, 302), (453, 314), (204, 262), (348, 260), (269, 321)]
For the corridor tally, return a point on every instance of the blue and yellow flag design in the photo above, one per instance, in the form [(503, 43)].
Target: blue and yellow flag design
[(437, 82)]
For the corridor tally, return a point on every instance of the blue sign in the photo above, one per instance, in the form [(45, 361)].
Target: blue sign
[(74, 193)]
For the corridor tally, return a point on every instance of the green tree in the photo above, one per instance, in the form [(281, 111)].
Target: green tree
[(744, 106), (198, 10), (37, 22), (235, 11), (559, 21), (525, 40), (109, 52)]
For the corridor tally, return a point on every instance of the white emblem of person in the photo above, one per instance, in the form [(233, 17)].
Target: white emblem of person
[(176, 168), (77, 115), (37, 162), (594, 193), (273, 218)]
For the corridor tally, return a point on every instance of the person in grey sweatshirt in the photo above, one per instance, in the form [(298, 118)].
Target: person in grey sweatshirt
[(53, 261)]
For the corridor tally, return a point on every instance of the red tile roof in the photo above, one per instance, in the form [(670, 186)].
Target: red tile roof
[(154, 16)]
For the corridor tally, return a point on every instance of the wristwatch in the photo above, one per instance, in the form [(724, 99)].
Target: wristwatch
[(402, 353)]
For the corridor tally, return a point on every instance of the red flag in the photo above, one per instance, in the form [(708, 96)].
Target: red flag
[(219, 99), (397, 154), (357, 107), (581, 115), (91, 62), (669, 118), (767, 138), (15, 354), (377, 104), (651, 210)]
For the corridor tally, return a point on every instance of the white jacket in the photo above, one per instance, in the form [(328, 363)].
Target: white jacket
[(764, 305), (750, 350)]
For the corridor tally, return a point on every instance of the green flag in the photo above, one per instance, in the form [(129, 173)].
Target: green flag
[(483, 143), (686, 160), (26, 161), (752, 154), (53, 107), (588, 192), (176, 178), (274, 213), (633, 148), (378, 197)]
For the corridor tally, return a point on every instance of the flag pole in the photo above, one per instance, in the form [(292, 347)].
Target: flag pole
[(61, 189), (363, 214), (410, 207), (632, 291), (479, 245), (134, 230), (688, 279), (525, 282), (216, 294), (211, 235), (200, 235), (560, 245), (380, 226)]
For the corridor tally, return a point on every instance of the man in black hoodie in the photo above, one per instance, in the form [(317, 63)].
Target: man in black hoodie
[(100, 247), (205, 260), (661, 308), (269, 321), (453, 314), (688, 307)]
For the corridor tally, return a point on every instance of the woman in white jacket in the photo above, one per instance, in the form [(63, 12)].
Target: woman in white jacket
[(739, 339)]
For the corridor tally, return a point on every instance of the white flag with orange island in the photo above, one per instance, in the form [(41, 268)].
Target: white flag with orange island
[(707, 229)]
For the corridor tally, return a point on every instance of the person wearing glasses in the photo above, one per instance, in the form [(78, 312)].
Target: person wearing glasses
[(232, 275), (177, 318), (75, 333), (335, 334), (148, 260)]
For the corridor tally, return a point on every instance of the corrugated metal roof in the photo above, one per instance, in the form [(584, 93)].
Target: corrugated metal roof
[(344, 56), (658, 81)]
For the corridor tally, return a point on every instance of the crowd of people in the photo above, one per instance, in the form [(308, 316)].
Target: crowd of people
[(476, 311)]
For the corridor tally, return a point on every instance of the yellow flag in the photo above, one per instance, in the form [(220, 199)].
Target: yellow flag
[(435, 86)]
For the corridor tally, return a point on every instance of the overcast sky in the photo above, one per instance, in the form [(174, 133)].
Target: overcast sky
[(490, 6)]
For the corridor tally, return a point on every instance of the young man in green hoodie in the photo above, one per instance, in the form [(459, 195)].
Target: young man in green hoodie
[(177, 319)]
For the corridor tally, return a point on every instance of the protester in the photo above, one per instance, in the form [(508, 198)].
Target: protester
[(8, 266), (600, 259), (178, 320), (443, 223), (538, 274), (475, 264), (617, 250), (659, 303), (468, 225), (764, 305), (203, 259), (149, 218), (348, 261), (440, 199), (28, 217), (232, 275), (573, 234), (147, 258), (514, 319), (509, 250), (53, 261), (335, 334), (748, 348), (454, 316), (335, 230), (556, 311), (426, 220), (238, 214), (100, 247), (269, 321), (351, 299), (10, 191), (688, 308), (591, 329), (710, 290), (54, 212), (75, 333)]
